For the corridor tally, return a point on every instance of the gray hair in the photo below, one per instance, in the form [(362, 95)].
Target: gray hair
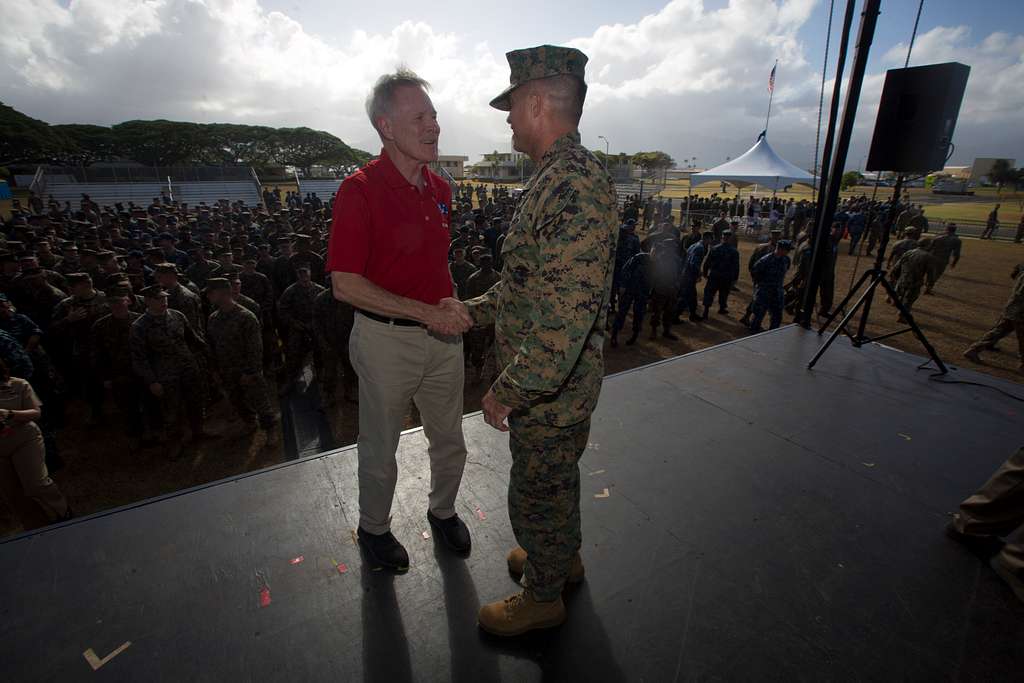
[(378, 102)]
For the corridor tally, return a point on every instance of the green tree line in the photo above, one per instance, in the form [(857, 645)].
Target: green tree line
[(170, 143)]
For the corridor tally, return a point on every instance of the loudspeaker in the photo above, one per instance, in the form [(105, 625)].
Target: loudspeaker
[(916, 118)]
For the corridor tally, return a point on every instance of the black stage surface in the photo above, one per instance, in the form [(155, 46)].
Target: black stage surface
[(762, 522)]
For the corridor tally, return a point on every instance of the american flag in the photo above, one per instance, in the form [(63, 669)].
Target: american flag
[(771, 79)]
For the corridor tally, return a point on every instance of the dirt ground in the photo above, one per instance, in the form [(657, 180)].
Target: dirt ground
[(103, 469)]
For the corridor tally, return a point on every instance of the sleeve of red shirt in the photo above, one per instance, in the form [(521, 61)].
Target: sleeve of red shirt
[(349, 248)]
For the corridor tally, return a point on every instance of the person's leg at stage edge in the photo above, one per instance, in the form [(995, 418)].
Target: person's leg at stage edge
[(544, 509), (439, 399), (387, 360), (988, 342), (996, 510)]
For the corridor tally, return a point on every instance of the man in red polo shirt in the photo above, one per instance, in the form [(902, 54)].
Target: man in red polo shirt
[(388, 257)]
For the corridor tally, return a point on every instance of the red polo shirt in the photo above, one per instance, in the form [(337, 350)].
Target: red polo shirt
[(391, 233)]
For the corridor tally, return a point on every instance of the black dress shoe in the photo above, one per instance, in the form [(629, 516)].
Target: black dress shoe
[(453, 532), (385, 550)]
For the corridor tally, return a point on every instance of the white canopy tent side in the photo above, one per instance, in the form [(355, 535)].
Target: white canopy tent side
[(759, 165)]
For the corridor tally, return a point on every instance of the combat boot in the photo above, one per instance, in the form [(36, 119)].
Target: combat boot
[(517, 565), (972, 354), (667, 334), (632, 339), (520, 613), (707, 312), (615, 340)]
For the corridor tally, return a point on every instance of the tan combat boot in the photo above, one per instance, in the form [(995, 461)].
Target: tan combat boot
[(972, 354), (520, 613), (517, 565)]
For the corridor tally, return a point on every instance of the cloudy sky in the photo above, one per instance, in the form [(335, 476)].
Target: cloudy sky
[(686, 76)]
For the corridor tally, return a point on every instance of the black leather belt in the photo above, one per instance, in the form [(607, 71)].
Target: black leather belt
[(401, 322)]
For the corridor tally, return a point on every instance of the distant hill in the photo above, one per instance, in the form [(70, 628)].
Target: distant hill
[(170, 143)]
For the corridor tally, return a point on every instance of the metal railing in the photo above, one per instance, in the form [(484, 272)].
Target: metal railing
[(38, 184)]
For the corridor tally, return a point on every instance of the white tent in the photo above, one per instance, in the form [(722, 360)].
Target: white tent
[(759, 165)]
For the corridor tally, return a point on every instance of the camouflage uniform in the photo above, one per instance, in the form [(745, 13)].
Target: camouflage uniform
[(161, 348), (112, 362), (332, 325), (74, 348), (942, 248), (480, 338), (770, 273), (295, 309), (186, 302), (911, 271), (1012, 319), (549, 311), (237, 349)]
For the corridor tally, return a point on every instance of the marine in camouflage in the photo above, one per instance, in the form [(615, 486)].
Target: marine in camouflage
[(549, 310)]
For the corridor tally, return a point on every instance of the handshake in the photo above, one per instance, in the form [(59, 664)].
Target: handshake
[(450, 317)]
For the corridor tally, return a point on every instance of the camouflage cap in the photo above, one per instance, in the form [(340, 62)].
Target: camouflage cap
[(543, 61)]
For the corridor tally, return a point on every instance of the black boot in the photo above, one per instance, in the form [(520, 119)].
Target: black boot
[(385, 550), (667, 334), (632, 339), (615, 340)]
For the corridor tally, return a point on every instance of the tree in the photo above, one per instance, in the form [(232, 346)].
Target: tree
[(91, 143), (1003, 174), (160, 142), (25, 139), (304, 147), (850, 179), (653, 161)]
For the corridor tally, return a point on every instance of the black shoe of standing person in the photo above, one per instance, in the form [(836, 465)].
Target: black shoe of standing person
[(453, 532), (385, 550)]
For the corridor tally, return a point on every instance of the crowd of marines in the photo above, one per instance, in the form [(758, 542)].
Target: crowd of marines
[(142, 306)]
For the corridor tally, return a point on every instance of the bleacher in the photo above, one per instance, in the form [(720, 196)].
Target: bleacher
[(66, 189), (324, 188), (649, 187)]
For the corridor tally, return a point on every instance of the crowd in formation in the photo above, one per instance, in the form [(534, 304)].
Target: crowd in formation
[(166, 309)]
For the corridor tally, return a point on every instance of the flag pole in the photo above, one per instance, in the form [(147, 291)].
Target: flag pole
[(771, 94)]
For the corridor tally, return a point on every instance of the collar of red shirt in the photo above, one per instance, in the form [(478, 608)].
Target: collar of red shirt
[(393, 177)]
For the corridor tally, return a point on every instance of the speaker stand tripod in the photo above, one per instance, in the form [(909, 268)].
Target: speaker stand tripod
[(877, 276)]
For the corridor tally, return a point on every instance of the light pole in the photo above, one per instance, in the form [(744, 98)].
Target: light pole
[(607, 148)]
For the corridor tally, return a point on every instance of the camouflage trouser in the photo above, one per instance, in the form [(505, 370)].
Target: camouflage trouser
[(997, 509), (1002, 329), (770, 300), (909, 294), (332, 355), (663, 308), (298, 345), (180, 395), (248, 395), (544, 499), (478, 341)]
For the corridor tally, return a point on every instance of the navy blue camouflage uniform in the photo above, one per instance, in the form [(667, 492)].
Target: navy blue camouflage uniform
[(635, 281), (770, 272), (722, 269)]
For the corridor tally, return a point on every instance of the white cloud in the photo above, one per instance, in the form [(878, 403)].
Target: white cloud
[(685, 79)]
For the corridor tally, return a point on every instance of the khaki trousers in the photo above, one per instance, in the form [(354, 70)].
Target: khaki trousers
[(997, 509), (24, 480), (395, 365)]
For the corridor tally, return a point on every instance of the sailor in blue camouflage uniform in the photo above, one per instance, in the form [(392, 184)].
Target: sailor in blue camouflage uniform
[(721, 271), (549, 310), (692, 274), (628, 247), (635, 284), (770, 273)]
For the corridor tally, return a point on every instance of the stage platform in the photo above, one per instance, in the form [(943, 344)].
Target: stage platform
[(744, 519)]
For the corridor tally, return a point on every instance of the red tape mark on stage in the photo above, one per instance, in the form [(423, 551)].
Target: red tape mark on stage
[(342, 568), (264, 597), (95, 662), (480, 514)]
